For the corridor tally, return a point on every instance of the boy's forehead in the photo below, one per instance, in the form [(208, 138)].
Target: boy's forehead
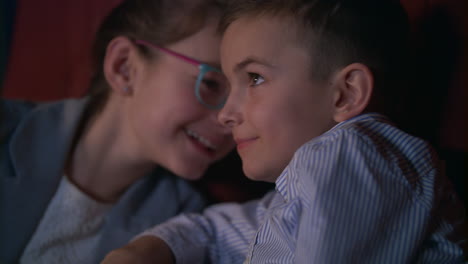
[(262, 36), (261, 26)]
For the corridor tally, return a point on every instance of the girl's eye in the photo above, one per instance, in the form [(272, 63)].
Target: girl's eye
[(255, 79)]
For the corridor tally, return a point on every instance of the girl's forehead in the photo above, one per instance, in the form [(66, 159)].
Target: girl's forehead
[(202, 46)]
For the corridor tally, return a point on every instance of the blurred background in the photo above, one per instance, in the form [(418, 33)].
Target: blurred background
[(45, 55)]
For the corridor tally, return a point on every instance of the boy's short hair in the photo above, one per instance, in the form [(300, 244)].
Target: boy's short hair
[(341, 32)]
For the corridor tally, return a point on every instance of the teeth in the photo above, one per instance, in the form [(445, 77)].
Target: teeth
[(201, 139)]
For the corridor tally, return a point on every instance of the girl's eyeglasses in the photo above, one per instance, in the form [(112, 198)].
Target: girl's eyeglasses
[(211, 87)]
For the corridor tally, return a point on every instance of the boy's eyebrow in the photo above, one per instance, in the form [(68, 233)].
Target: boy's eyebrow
[(249, 60)]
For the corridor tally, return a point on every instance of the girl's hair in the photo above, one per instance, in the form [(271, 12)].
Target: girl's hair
[(161, 22), (340, 32)]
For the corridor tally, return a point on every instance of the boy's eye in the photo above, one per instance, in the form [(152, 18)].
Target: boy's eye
[(255, 79)]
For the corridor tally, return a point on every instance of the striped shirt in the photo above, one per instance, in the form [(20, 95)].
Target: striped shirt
[(363, 192)]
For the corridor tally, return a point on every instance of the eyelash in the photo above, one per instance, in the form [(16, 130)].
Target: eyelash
[(254, 77)]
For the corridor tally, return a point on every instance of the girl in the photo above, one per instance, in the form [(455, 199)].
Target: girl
[(81, 177)]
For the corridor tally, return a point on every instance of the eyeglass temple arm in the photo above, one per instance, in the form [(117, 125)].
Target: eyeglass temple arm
[(180, 56)]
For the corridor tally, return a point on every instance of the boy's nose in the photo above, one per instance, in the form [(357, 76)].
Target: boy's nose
[(229, 116), (221, 127)]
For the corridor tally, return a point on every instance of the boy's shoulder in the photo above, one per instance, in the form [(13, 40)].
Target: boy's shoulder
[(361, 147), (370, 131)]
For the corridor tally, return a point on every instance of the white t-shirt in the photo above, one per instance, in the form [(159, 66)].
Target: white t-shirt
[(69, 230)]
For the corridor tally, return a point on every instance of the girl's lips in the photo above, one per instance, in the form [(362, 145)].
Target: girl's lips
[(243, 143), (201, 144), (206, 142), (201, 148)]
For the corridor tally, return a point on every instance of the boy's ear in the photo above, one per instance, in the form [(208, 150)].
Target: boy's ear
[(353, 89), (118, 65)]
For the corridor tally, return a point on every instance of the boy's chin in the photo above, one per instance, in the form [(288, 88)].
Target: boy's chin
[(260, 176)]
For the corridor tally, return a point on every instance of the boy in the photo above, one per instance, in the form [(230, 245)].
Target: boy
[(306, 79)]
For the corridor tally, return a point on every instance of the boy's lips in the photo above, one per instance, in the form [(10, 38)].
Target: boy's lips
[(244, 142)]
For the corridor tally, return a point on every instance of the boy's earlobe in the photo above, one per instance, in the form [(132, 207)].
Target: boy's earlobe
[(355, 83), (117, 65)]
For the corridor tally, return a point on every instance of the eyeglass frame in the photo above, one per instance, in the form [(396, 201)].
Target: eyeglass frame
[(203, 67)]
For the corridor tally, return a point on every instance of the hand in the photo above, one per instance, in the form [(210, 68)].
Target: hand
[(144, 250)]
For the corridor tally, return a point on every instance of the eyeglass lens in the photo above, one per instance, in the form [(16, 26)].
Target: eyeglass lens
[(212, 88)]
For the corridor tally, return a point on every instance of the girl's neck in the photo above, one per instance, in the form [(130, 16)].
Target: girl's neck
[(102, 163)]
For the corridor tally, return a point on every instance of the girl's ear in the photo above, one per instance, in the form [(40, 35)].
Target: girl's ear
[(118, 65), (354, 85)]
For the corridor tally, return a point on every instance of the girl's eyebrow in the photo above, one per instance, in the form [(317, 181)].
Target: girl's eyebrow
[(252, 60)]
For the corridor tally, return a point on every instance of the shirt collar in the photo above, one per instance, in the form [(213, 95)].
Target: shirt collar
[(362, 118), (288, 182)]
